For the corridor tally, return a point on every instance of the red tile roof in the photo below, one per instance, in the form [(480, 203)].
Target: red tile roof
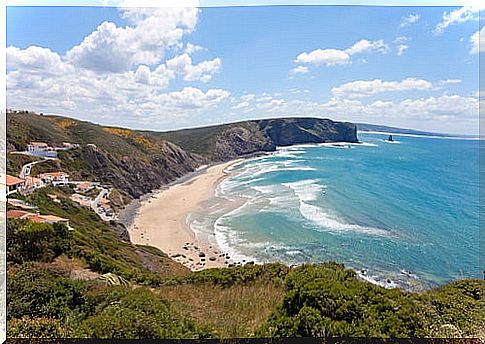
[(11, 180), (54, 174), (17, 214)]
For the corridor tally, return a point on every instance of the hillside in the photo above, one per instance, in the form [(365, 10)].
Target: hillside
[(227, 141), (137, 162), (130, 161)]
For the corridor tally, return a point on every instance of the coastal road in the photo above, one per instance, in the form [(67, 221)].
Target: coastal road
[(27, 168)]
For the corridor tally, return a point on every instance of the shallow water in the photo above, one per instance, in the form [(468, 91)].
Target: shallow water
[(385, 207)]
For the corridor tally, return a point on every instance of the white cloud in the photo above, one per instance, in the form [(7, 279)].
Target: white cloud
[(364, 88), (152, 32), (409, 20), (477, 41), (299, 70), (333, 57), (449, 82), (328, 57), (118, 73), (460, 15), (365, 45), (401, 44), (203, 71), (241, 105), (193, 98), (401, 48), (35, 59), (248, 97), (192, 48)]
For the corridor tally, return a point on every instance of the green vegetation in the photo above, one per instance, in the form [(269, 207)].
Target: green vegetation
[(92, 282), (97, 243), (41, 242), (41, 304)]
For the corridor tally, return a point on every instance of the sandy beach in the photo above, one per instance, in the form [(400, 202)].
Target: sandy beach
[(160, 220)]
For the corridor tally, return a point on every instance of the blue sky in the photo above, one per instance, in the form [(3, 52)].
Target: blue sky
[(163, 69)]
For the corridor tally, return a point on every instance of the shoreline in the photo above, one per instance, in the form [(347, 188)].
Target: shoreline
[(171, 233), (159, 218)]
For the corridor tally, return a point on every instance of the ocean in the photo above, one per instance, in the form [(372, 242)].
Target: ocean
[(401, 214)]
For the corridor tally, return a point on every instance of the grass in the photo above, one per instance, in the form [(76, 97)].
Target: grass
[(234, 312)]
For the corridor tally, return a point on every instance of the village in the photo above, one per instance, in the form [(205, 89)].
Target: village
[(89, 194)]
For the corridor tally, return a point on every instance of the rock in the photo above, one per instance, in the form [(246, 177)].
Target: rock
[(212, 259), (201, 254)]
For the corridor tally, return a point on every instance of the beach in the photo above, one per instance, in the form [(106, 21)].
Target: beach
[(160, 220)]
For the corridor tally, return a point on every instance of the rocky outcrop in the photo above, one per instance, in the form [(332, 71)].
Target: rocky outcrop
[(245, 138), (291, 131), (240, 141)]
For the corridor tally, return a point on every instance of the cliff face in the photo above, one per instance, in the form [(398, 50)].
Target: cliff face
[(138, 176), (290, 131), (137, 162), (265, 135), (238, 141)]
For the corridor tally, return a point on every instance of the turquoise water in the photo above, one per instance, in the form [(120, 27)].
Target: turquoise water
[(384, 207)]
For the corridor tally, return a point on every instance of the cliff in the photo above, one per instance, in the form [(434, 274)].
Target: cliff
[(137, 162), (228, 141)]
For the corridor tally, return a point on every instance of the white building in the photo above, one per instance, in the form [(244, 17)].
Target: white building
[(55, 178), (41, 149), (13, 184)]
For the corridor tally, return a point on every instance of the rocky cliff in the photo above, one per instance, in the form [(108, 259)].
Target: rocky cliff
[(228, 141), (137, 162), (291, 131)]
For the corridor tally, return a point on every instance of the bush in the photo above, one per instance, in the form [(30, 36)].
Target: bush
[(124, 313), (328, 300), (34, 292), (28, 241), (37, 328), (226, 277)]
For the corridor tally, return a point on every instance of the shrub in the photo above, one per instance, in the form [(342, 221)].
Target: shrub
[(37, 328), (328, 300), (27, 241), (125, 313), (34, 292)]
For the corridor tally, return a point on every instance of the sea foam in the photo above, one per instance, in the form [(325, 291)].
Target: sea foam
[(309, 190)]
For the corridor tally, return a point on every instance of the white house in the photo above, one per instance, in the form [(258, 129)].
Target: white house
[(55, 178), (41, 149), (13, 184)]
